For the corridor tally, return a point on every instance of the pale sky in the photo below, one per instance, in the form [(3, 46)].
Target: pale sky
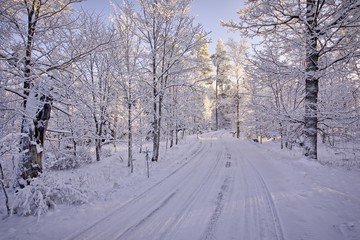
[(208, 13)]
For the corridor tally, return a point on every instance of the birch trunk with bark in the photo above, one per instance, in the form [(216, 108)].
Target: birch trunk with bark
[(311, 83)]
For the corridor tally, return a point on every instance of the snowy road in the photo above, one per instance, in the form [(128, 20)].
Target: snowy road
[(221, 193), (222, 189)]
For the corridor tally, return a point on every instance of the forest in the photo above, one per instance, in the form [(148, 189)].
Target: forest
[(73, 85)]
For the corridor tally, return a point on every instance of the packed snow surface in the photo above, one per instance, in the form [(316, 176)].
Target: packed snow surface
[(214, 187)]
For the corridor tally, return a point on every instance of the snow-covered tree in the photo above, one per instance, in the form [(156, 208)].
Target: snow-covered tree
[(221, 64), (205, 62), (237, 61), (37, 50), (128, 66), (170, 35), (323, 32)]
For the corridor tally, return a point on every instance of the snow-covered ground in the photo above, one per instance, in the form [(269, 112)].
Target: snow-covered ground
[(215, 187)]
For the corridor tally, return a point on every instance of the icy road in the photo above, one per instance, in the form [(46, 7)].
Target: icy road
[(227, 189), (216, 187)]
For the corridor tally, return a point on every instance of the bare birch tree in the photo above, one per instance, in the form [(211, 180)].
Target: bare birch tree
[(128, 71)]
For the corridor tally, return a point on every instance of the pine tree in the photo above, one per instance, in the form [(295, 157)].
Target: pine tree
[(220, 61)]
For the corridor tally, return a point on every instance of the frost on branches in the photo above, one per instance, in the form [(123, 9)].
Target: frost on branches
[(323, 36)]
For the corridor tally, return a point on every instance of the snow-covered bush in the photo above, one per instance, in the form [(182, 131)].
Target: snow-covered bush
[(66, 159), (32, 200), (44, 193), (9, 151)]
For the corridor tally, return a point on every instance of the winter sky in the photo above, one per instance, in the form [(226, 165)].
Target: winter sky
[(208, 13)]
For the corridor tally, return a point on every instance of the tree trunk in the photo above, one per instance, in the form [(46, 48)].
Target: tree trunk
[(156, 136), (237, 109), (171, 138), (155, 139), (33, 136), (155, 119), (98, 149), (216, 103), (98, 137), (75, 147), (311, 83), (2, 178), (141, 133), (176, 134), (173, 113), (114, 131), (156, 154), (34, 122), (310, 129), (130, 157)]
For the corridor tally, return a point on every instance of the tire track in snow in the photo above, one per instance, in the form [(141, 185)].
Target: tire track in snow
[(107, 217), (211, 228), (260, 217), (246, 207), (172, 225), (179, 219), (146, 218), (270, 203)]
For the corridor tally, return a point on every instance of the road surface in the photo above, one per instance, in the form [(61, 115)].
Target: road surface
[(222, 192)]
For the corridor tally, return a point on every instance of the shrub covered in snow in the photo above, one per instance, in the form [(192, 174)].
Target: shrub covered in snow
[(44, 193), (66, 159), (9, 151)]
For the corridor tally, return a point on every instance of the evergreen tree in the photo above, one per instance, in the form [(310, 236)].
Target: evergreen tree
[(221, 64)]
